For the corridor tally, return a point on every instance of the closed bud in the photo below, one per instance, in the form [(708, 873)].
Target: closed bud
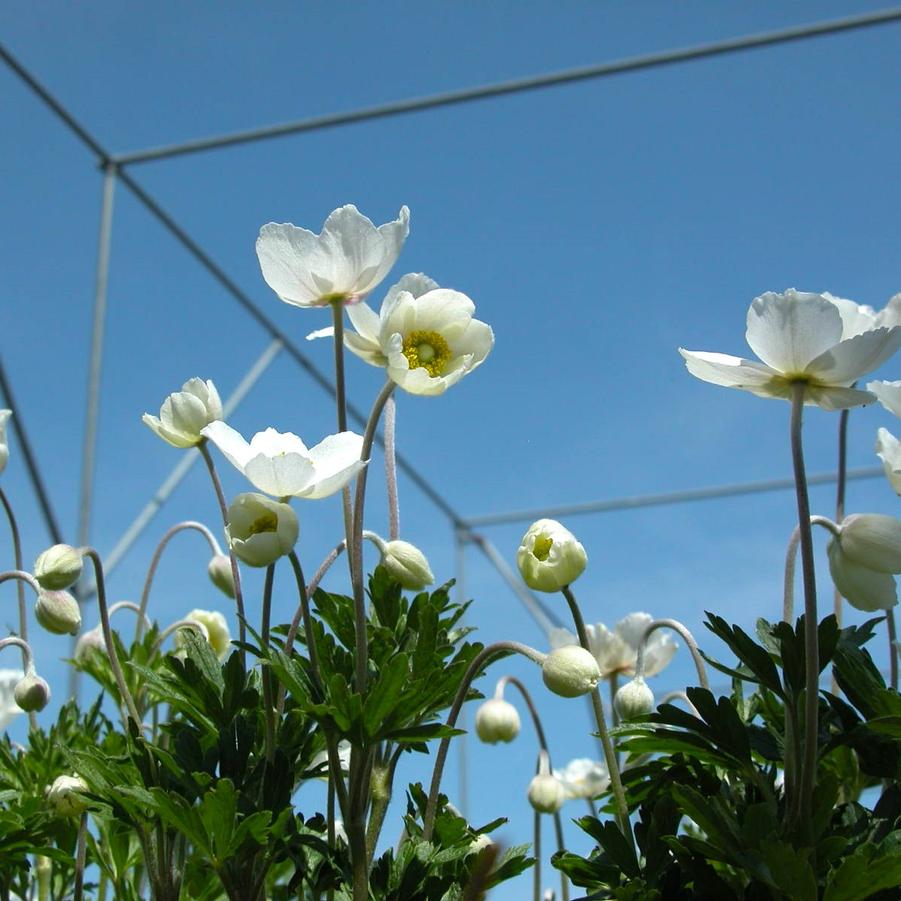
[(634, 699), (260, 530), (58, 567), (479, 844), (497, 720), (64, 796), (90, 642), (58, 612), (546, 793), (32, 693), (872, 540), (220, 570), (214, 628), (407, 565), (570, 671), (550, 557)]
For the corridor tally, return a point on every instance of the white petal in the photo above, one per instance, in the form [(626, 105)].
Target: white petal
[(561, 638), (365, 320), (416, 283), (272, 443), (888, 449), (830, 398), (888, 394), (176, 439), (856, 317), (282, 475), (865, 589), (184, 412), (336, 460), (732, 372), (891, 315), (327, 332), (233, 446), (476, 341), (789, 330), (444, 311), (368, 351), (288, 258), (659, 652), (845, 363)]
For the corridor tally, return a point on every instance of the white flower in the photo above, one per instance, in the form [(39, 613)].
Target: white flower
[(863, 557), (260, 530), (185, 413), (801, 337), (343, 263), (583, 778), (888, 449), (4, 442), (217, 633), (280, 464), (863, 588), (888, 394), (617, 651), (549, 556), (9, 679), (424, 335), (860, 317)]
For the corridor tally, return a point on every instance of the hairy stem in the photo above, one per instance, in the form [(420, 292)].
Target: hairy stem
[(690, 642), (391, 470)]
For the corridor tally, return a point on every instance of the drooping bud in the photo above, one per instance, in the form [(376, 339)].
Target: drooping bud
[(32, 693), (863, 588), (497, 720), (58, 612), (407, 565), (570, 671), (260, 530), (479, 844), (546, 793), (64, 796), (634, 699), (220, 570), (215, 628), (872, 540), (58, 567), (549, 556), (89, 642)]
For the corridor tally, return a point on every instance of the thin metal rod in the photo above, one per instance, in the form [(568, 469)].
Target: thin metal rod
[(517, 86), (544, 618), (670, 497), (92, 408), (30, 462), (180, 470)]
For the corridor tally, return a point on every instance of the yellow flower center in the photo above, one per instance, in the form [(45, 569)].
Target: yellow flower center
[(542, 547), (265, 522), (427, 350)]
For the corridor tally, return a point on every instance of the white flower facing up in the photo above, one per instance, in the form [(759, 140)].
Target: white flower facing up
[(9, 679), (260, 530), (583, 778), (888, 449), (185, 413), (424, 336), (802, 337), (280, 464), (617, 651), (4, 442), (343, 263)]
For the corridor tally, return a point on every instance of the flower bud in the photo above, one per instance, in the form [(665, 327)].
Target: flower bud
[(863, 588), (220, 570), (546, 793), (570, 671), (186, 412), (260, 530), (634, 699), (497, 720), (58, 612), (407, 565), (549, 556), (32, 693), (479, 844), (216, 631), (88, 643), (872, 540), (58, 567), (64, 796)]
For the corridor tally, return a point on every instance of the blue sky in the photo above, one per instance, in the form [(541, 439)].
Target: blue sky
[(597, 226)]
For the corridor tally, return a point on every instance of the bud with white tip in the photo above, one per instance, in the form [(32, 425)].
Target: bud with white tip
[(546, 793), (64, 796), (58, 567), (32, 693), (220, 571), (406, 564), (634, 699), (570, 671), (58, 612), (497, 720)]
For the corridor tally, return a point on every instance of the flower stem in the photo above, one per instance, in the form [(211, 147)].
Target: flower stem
[(267, 676), (812, 651), (303, 612), (542, 745), (157, 554), (478, 663), (616, 785), (692, 645), (892, 648), (536, 850), (840, 483), (80, 856), (791, 557), (341, 404), (391, 470), (236, 572)]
